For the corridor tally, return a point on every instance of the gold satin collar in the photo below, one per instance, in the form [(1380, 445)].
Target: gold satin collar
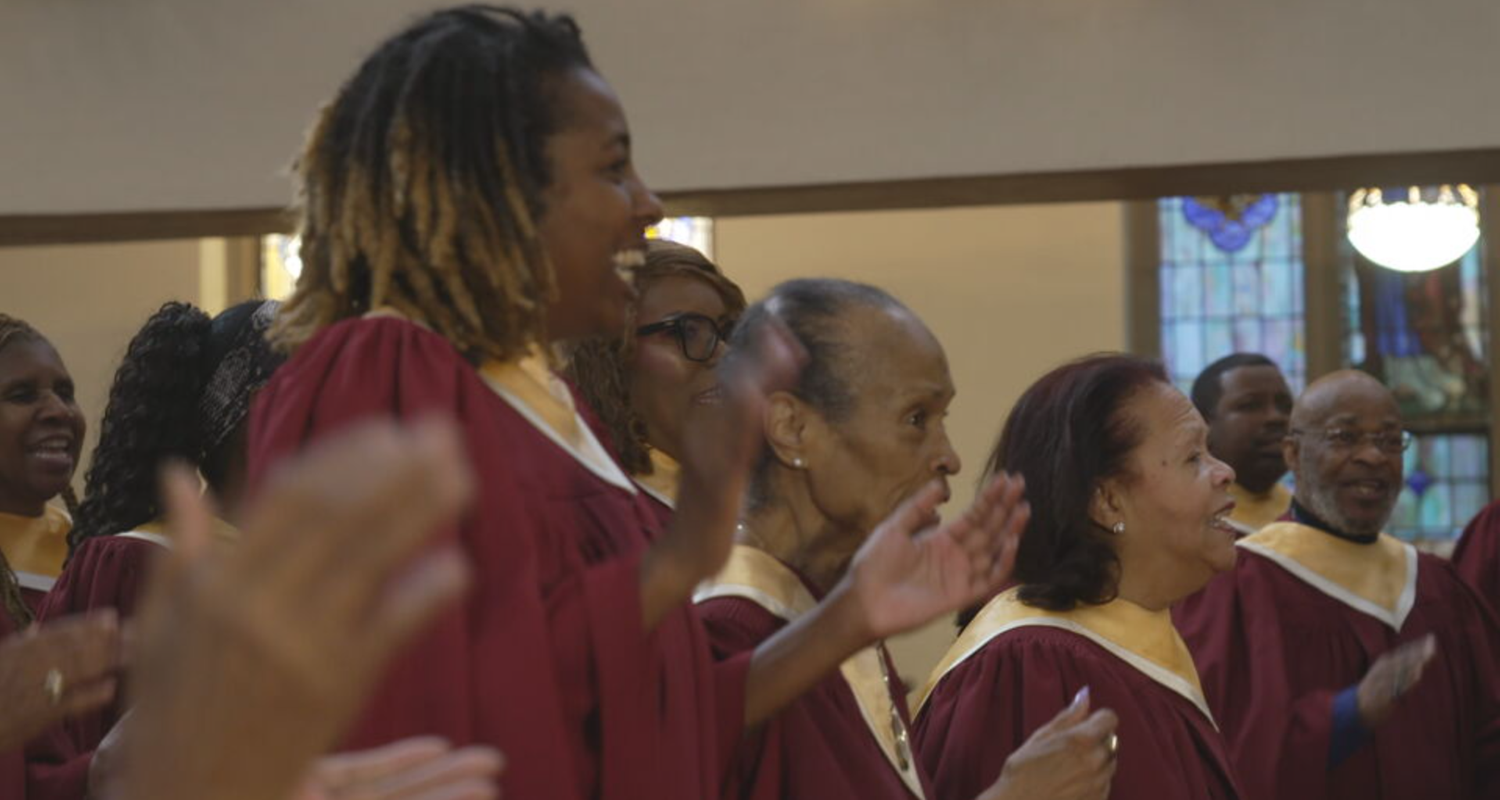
[(663, 480), (1144, 639), (37, 545), (1255, 511), (1378, 579), (754, 575), (531, 381)]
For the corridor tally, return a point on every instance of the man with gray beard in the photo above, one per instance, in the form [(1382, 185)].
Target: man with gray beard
[(1338, 661)]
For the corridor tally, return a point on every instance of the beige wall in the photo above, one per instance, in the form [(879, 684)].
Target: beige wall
[(90, 299), (1009, 291), (180, 104)]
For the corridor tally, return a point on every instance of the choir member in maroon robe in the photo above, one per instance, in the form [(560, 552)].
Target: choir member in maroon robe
[(644, 382), (41, 434), (862, 430), (468, 201), (1340, 661), (1477, 556), (1128, 517), (1246, 402), (249, 659)]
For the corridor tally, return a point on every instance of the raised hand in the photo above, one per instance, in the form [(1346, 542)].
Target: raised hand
[(913, 568), (48, 673), (720, 444), (423, 768), (269, 648), (1072, 757), (1392, 676)]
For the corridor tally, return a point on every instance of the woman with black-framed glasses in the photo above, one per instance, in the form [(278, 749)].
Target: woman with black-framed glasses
[(644, 384)]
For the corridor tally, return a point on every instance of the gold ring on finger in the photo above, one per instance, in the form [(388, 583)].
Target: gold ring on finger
[(53, 685)]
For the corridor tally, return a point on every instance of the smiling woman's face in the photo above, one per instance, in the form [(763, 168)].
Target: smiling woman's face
[(664, 383), (1175, 497), (41, 427)]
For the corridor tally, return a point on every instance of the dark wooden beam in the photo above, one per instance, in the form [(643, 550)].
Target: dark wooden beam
[(33, 229), (1143, 278), (1136, 183)]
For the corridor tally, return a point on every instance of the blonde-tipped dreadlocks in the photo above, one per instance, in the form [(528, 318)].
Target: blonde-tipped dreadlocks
[(15, 331), (421, 182), (599, 366)]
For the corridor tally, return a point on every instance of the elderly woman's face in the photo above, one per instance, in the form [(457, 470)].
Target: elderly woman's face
[(893, 442), (664, 383), (1176, 498)]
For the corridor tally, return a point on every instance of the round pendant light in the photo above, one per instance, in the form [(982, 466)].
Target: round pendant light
[(1427, 229)]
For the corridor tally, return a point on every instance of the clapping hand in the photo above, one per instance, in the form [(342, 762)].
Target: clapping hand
[(914, 568)]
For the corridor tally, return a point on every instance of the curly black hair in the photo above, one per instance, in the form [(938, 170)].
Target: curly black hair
[(157, 410)]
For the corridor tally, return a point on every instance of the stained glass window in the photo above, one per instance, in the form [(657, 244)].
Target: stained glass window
[(1425, 335), (696, 232), (1231, 281), (1447, 483)]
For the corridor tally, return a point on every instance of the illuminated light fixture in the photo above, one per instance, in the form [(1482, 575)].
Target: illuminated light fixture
[(1431, 228)]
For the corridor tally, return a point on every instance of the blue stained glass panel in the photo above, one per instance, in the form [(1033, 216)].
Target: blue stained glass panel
[(1247, 335), (1217, 300), (1220, 289), (1457, 487)]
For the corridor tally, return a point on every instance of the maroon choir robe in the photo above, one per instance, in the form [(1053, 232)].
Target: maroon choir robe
[(105, 572), (1301, 618), (1477, 556), (546, 657), (845, 739), (1015, 667), (12, 762)]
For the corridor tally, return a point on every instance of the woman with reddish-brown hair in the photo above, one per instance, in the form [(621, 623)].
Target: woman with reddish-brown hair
[(1128, 517)]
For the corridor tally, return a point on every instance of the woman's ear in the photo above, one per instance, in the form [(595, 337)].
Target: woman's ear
[(1106, 506), (786, 428)]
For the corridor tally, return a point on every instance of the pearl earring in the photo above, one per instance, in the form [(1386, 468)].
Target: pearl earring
[(797, 462), (1118, 528)]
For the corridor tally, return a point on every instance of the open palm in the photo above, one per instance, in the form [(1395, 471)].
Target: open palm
[(911, 571)]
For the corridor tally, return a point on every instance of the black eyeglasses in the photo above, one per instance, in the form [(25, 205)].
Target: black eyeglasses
[(1392, 442), (698, 335)]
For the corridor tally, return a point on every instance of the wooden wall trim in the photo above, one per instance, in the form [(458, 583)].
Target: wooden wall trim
[(1143, 278), (1134, 183), (1322, 297), (35, 229)]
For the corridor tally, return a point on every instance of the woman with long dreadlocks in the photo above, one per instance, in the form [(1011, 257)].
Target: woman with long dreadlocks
[(468, 198), (645, 382), (41, 434)]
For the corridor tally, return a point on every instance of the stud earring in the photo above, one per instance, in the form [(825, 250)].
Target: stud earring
[(797, 462), (1118, 528)]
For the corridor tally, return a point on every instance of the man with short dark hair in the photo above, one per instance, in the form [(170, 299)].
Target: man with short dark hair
[(1246, 402), (1338, 661)]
